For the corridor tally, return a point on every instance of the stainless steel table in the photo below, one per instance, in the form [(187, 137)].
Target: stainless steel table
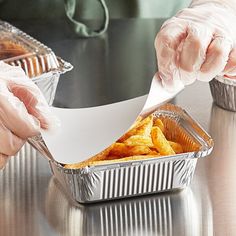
[(113, 68)]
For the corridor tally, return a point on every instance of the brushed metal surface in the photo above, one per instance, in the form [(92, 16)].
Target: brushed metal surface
[(175, 214), (32, 204)]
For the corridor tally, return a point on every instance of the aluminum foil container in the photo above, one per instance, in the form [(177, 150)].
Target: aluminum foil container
[(140, 177), (37, 60), (223, 91)]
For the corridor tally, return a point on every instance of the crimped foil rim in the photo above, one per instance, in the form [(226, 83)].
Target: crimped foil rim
[(63, 67), (42, 54), (102, 167), (226, 80)]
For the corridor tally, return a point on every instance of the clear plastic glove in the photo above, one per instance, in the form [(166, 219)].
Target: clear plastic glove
[(23, 111), (197, 44)]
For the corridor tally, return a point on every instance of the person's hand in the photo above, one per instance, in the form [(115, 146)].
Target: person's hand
[(197, 43), (23, 111)]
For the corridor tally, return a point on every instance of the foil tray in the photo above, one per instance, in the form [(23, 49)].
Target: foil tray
[(37, 60), (141, 177), (223, 91), (47, 82)]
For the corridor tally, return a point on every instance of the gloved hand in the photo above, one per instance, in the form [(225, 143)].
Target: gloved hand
[(197, 43), (23, 111)]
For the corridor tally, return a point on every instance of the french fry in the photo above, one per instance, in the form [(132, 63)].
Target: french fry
[(112, 157), (146, 128), (158, 122), (122, 150), (138, 150), (160, 142), (153, 152), (130, 158), (144, 140), (100, 156), (176, 147), (139, 140), (142, 128)]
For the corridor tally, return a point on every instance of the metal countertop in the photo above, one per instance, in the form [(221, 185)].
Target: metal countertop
[(113, 68)]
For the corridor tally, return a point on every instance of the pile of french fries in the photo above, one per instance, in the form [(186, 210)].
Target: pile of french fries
[(145, 139)]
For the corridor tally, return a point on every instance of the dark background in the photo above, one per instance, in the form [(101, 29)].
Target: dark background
[(116, 66)]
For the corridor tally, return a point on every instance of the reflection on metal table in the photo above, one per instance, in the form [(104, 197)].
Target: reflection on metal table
[(116, 67)]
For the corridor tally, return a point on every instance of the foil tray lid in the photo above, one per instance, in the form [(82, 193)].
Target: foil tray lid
[(19, 49)]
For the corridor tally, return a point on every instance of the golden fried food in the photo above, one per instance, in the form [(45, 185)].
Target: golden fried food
[(144, 140), (99, 157), (176, 147), (138, 140), (159, 123), (160, 142), (142, 128), (122, 150), (124, 159), (9, 49), (13, 51)]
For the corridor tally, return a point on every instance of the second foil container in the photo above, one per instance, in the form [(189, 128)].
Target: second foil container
[(37, 60)]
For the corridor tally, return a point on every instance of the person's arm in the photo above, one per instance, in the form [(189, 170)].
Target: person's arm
[(198, 43)]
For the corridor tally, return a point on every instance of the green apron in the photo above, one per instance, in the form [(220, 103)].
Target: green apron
[(89, 9)]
